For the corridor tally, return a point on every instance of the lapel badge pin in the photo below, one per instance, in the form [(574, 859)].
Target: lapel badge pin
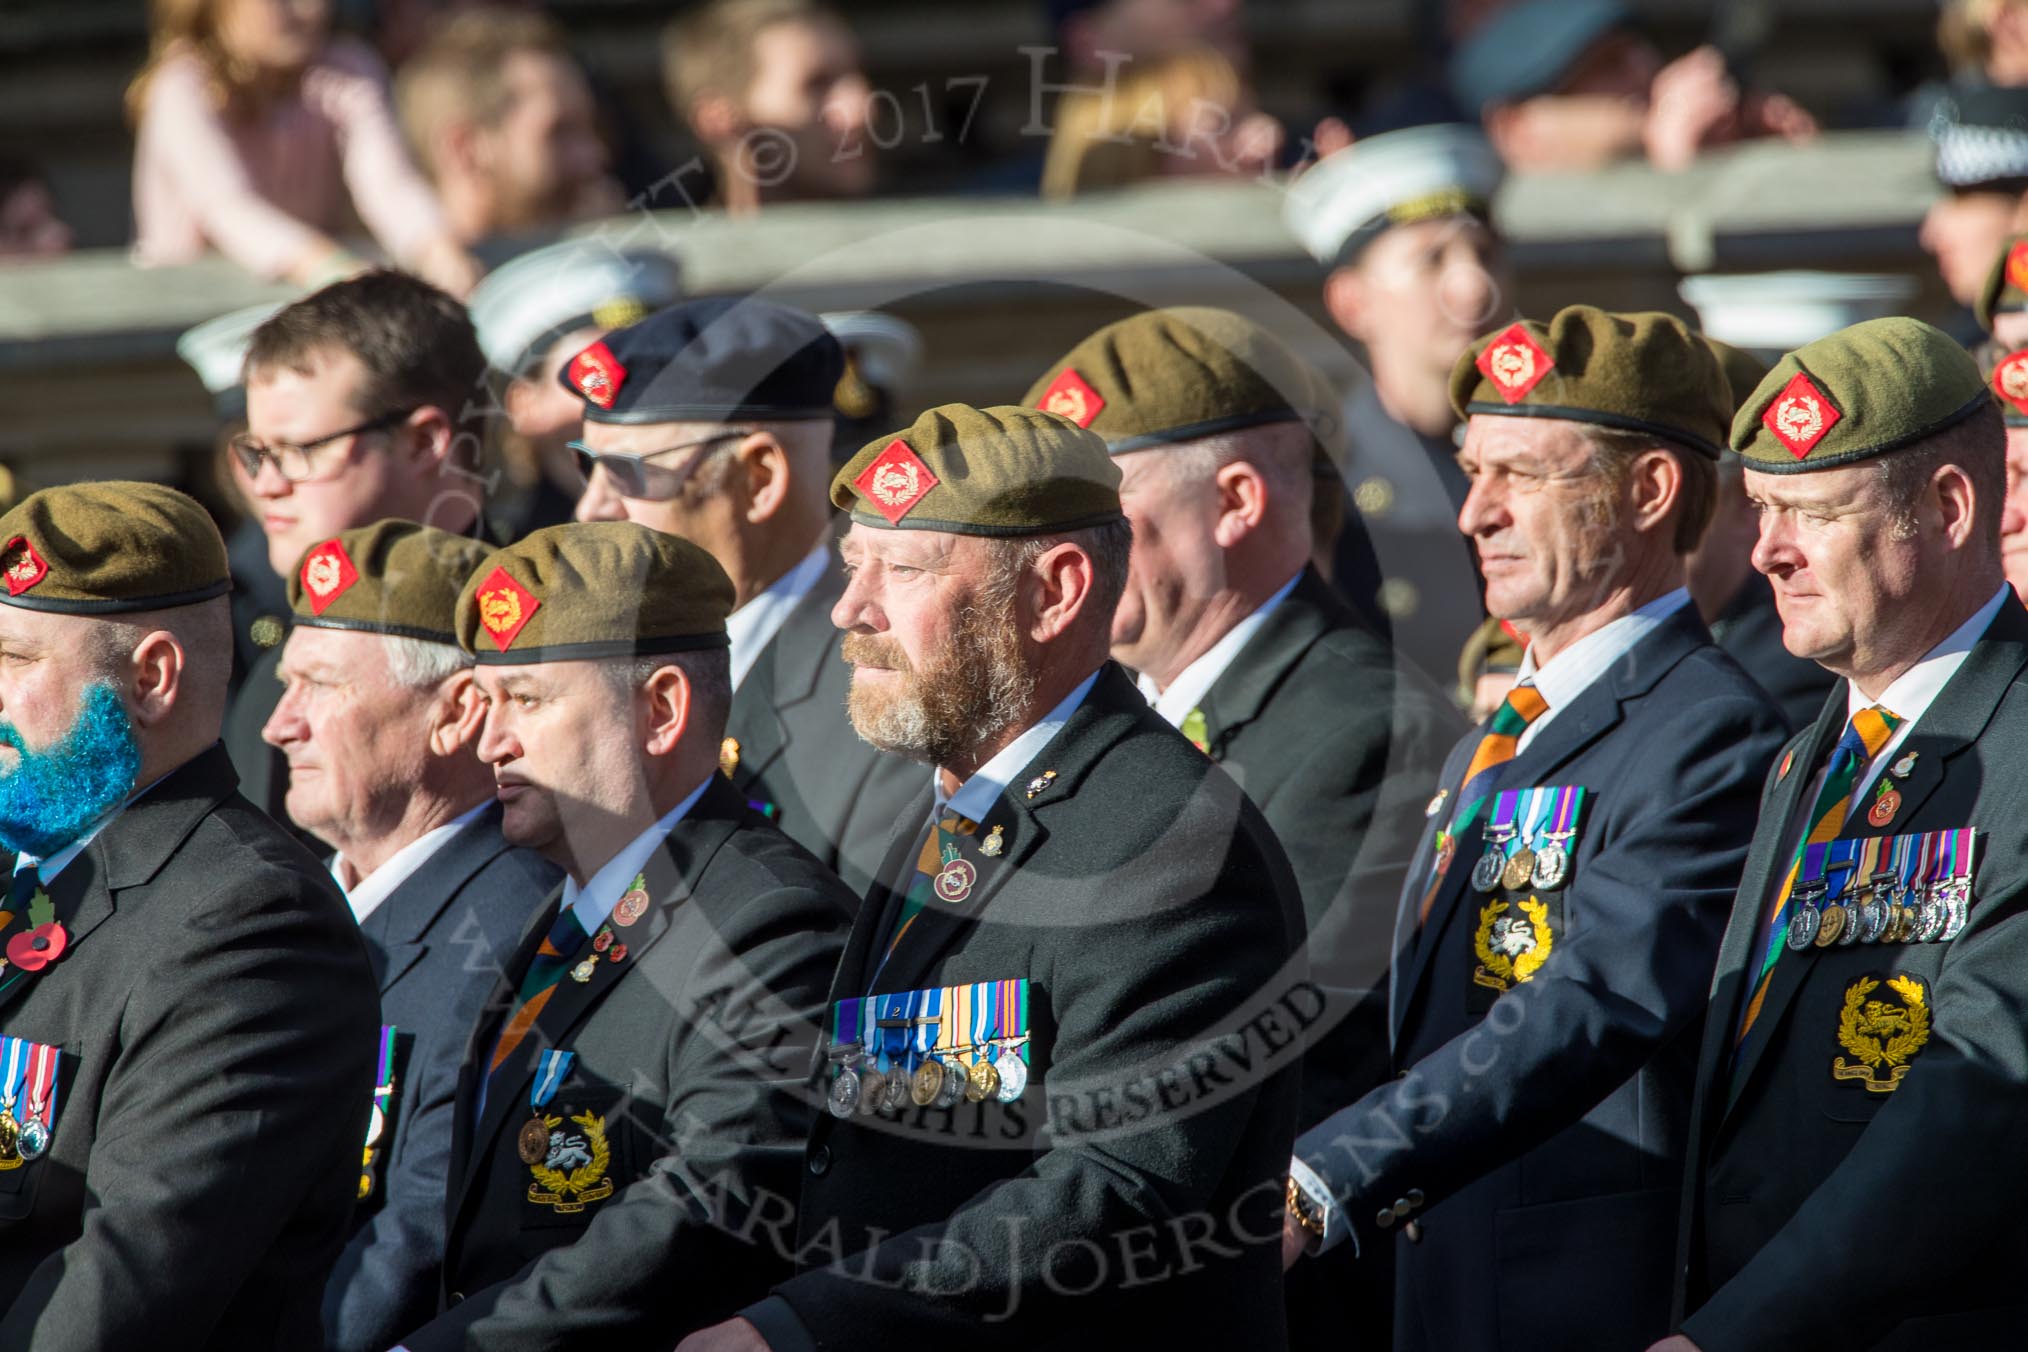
[(1436, 804), (993, 844), (954, 881), (583, 971), (1787, 761), (1041, 782), (728, 756), (1902, 768), (1884, 808)]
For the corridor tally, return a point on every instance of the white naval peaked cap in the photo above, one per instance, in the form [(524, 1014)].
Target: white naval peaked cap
[(216, 349), (886, 350), (526, 304), (1776, 312), (1346, 199)]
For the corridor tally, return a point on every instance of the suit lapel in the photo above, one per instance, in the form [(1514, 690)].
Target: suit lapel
[(786, 674), (1406, 931), (127, 853), (1241, 691), (1949, 728), (401, 924), (1589, 717)]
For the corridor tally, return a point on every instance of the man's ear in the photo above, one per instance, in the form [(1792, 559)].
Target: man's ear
[(764, 474), (156, 670), (1345, 301), (456, 715), (668, 695), (716, 119), (1060, 586), (1242, 502)]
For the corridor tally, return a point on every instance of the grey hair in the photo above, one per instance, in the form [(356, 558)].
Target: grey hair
[(417, 663), (1109, 546), (1978, 446), (1283, 452), (709, 673)]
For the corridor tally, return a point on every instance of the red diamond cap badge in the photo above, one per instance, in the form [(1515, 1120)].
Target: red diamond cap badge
[(22, 565), (1514, 362), (327, 571), (2010, 381), (1800, 416), (2017, 266), (505, 607), (896, 481), (1071, 397), (597, 374)]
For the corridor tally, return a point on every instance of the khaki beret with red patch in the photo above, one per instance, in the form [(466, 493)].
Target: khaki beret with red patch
[(392, 577), (590, 590), (1866, 390), (110, 548), (1646, 373), (982, 471)]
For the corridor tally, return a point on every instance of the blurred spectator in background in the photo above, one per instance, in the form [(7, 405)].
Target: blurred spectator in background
[(1414, 272), (1189, 114), (1089, 31), (533, 315), (29, 225), (1488, 668), (1981, 137), (502, 120), (1985, 40), (259, 134), (1570, 85), (774, 93)]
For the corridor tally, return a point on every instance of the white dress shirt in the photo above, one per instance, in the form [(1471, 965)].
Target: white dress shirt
[(377, 886), (754, 625), (1187, 691), (1571, 672)]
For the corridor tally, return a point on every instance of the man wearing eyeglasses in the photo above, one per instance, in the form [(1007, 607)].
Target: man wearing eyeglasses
[(356, 400), (712, 420)]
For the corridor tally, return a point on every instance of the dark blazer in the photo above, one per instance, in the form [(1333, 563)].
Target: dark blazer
[(438, 943), (216, 1017), (1537, 1145), (695, 1051), (1156, 920), (1336, 743), (831, 793), (1750, 628), (1799, 1183)]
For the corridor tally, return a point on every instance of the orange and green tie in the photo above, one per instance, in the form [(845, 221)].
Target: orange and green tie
[(1523, 705), (1870, 730), (552, 959), (938, 849)]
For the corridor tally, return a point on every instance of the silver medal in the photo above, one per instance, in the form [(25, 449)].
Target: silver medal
[(894, 1096), (1486, 873), (952, 1091), (33, 1141), (1552, 865), (845, 1092), (1957, 901), (1803, 922), (1013, 1074), (1870, 920)]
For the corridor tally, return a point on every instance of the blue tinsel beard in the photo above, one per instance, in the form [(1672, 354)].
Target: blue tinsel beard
[(51, 797)]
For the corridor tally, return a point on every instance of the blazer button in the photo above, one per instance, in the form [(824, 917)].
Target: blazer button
[(820, 1161), (457, 1297)]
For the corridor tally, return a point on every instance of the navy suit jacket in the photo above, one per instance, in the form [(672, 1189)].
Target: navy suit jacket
[(1537, 1137), (437, 943)]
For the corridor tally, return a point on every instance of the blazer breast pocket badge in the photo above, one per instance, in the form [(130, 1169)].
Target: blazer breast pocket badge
[(1881, 1030), (568, 1153), (28, 1085), (1530, 842)]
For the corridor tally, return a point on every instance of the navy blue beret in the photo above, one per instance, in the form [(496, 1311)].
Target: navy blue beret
[(1527, 48), (714, 360)]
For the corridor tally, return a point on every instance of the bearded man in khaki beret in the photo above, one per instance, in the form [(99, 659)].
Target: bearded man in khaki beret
[(1031, 1132), (1557, 933), (187, 1016)]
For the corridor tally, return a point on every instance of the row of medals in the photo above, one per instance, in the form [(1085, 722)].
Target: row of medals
[(1890, 914), (1543, 868), (22, 1141), (938, 1082)]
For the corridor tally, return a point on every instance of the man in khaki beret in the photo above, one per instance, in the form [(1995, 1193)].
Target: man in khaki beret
[(1242, 646), (380, 719), (638, 1083), (1864, 1048), (1733, 598), (1557, 933), (186, 1010), (1030, 1130)]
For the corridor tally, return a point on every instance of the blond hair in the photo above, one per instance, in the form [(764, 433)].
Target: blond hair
[(1116, 135), (459, 75), (711, 50)]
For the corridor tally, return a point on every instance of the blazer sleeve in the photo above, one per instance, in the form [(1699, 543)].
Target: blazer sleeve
[(240, 1090), (677, 1250), (1653, 903), (1933, 1159)]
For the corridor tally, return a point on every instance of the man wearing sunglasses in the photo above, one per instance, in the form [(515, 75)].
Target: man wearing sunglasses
[(356, 400), (712, 420)]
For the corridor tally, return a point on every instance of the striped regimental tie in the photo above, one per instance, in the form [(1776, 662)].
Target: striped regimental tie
[(1523, 705)]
